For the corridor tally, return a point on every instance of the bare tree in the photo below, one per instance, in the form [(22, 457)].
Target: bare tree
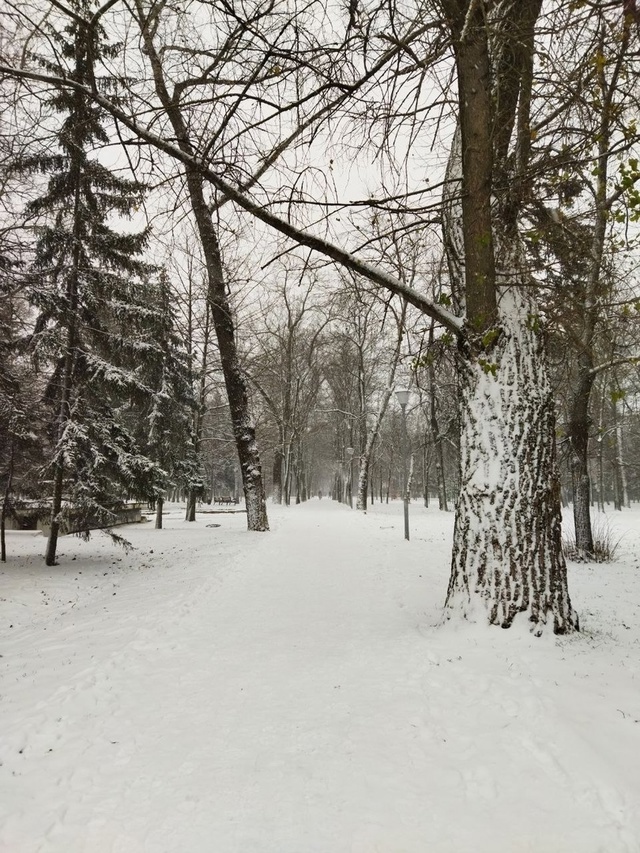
[(285, 370), (507, 557), (577, 222)]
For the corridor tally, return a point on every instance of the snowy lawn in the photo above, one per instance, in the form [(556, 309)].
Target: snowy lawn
[(215, 691)]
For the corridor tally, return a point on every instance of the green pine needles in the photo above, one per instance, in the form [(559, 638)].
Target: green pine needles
[(118, 383)]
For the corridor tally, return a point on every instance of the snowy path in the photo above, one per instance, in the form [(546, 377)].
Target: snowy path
[(222, 692)]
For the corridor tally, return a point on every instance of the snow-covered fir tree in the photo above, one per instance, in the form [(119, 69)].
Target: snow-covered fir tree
[(83, 270), (163, 420)]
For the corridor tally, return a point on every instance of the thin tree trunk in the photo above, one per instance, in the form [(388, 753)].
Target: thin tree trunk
[(425, 473), (620, 495), (287, 475), (3, 538), (5, 506), (201, 410), (601, 425), (438, 443), (624, 489), (64, 404), (389, 478), (578, 434), (221, 313), (277, 475), (365, 456), (159, 505), (191, 505)]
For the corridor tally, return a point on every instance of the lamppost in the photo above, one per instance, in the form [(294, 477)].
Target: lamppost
[(349, 452), (403, 399)]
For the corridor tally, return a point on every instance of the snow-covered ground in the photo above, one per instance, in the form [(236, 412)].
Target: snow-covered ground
[(216, 691)]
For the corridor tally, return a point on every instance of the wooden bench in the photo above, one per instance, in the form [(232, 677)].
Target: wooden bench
[(225, 499)]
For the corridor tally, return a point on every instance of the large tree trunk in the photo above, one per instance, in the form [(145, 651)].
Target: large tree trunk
[(507, 555), (221, 313)]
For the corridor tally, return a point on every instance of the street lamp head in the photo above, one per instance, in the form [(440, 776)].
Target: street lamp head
[(403, 397)]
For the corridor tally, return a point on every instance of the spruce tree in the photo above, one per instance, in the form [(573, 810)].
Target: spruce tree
[(82, 270), (164, 420)]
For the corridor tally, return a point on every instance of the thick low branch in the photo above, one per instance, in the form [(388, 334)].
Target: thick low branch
[(379, 276)]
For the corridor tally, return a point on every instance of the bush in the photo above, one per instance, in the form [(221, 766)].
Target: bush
[(605, 543)]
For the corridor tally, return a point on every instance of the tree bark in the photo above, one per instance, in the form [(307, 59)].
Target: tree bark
[(191, 506), (277, 475), (507, 556), (221, 313)]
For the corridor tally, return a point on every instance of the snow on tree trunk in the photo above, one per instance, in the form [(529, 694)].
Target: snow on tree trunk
[(507, 556), (365, 457), (363, 476)]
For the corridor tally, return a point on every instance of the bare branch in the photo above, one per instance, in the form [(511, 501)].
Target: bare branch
[(379, 276)]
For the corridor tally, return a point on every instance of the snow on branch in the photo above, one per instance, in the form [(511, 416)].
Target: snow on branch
[(375, 274), (608, 365)]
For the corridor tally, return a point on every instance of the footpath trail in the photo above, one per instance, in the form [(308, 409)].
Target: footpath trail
[(215, 691)]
